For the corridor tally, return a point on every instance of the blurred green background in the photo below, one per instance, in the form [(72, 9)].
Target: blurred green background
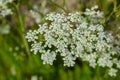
[(16, 60)]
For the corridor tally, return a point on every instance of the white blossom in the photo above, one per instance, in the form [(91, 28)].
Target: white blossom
[(91, 58), (32, 36), (69, 60), (48, 57), (75, 36), (112, 72), (4, 10), (105, 60)]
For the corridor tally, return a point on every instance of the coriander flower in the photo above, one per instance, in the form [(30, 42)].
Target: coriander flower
[(75, 36), (4, 10), (112, 72)]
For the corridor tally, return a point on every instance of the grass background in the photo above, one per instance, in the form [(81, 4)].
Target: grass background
[(16, 60)]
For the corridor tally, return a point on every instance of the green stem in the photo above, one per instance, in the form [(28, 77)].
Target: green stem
[(64, 3), (114, 11), (22, 29), (58, 6), (23, 37)]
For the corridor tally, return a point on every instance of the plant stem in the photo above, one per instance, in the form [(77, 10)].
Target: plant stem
[(22, 29), (114, 11), (58, 6), (23, 37)]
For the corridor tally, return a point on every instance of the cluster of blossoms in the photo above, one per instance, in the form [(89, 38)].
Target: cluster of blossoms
[(75, 35), (4, 10)]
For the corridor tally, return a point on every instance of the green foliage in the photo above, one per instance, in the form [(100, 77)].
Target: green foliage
[(16, 60)]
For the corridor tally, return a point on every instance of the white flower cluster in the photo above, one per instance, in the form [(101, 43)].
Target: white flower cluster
[(75, 35), (4, 10)]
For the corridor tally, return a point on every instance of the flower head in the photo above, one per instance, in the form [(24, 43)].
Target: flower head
[(74, 36)]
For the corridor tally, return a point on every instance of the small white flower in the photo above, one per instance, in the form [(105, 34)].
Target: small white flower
[(4, 10), (32, 36), (112, 72), (69, 60), (105, 60), (91, 58), (48, 57)]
